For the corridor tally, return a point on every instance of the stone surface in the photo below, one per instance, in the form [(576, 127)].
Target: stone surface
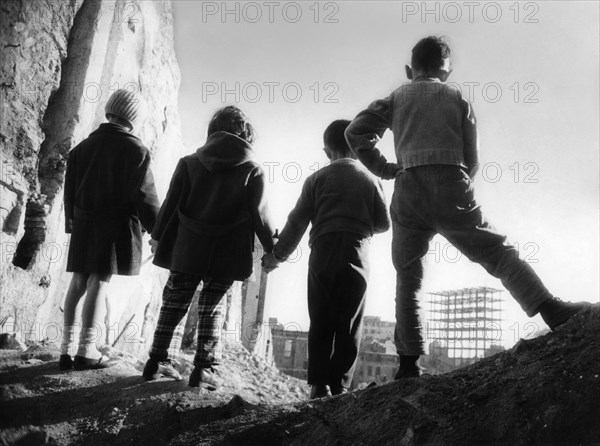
[(60, 63)]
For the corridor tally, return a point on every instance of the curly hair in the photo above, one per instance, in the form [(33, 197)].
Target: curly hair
[(429, 53), (231, 119)]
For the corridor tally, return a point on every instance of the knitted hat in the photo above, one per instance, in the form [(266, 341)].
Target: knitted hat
[(127, 105)]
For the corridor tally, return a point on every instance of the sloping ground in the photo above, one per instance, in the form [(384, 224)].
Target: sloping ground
[(41, 405), (545, 391)]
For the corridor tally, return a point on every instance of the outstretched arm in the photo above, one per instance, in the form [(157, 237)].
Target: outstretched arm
[(365, 131), (259, 210), (297, 222)]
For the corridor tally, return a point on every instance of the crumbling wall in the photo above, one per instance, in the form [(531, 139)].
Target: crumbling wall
[(61, 60)]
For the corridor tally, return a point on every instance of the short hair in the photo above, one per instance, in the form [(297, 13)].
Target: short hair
[(334, 138), (233, 120), (429, 53)]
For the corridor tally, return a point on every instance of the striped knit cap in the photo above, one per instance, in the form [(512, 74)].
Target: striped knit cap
[(126, 105)]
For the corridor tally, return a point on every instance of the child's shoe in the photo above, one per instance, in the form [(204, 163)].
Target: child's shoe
[(409, 367), (319, 391), (151, 370), (155, 369), (555, 312), (338, 390), (408, 372), (205, 377), (65, 362)]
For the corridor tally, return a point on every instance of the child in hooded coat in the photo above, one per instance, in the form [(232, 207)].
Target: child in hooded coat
[(205, 233)]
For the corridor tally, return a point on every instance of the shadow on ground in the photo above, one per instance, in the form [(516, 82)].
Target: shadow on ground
[(545, 391)]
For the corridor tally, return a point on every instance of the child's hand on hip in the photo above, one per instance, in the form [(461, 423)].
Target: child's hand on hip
[(153, 244)]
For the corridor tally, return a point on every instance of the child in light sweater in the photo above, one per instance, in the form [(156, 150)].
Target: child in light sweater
[(346, 206), (435, 136)]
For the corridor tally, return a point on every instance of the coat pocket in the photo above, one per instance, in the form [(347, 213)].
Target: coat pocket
[(219, 251)]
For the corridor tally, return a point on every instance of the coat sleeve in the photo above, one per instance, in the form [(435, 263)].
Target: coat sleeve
[(381, 215), (145, 199), (171, 203), (259, 210), (70, 189), (366, 130), (297, 221)]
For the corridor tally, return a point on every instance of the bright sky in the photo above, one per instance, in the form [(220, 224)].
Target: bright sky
[(534, 85)]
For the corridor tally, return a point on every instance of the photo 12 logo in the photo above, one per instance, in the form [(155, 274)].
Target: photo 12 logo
[(470, 12), (270, 12), (270, 91)]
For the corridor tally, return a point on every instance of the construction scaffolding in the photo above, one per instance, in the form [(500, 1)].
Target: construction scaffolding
[(466, 322)]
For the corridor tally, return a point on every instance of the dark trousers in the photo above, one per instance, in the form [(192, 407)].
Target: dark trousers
[(440, 199), (337, 283), (177, 296)]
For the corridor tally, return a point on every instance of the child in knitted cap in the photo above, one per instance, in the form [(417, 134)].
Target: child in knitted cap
[(109, 196)]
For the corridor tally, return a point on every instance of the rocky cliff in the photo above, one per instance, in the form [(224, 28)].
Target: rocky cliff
[(60, 62)]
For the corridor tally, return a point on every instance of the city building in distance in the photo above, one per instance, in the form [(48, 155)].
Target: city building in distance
[(461, 327)]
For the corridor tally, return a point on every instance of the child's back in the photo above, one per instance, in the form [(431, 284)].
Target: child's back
[(433, 124), (104, 164), (346, 206), (204, 233), (436, 148), (341, 197)]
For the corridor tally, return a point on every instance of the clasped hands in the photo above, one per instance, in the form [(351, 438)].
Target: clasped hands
[(269, 262)]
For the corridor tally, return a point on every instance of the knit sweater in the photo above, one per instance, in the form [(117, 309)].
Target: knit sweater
[(341, 197), (432, 124)]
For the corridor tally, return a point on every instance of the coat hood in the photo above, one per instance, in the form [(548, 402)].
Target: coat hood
[(224, 150)]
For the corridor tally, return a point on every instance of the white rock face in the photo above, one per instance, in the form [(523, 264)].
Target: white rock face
[(60, 63)]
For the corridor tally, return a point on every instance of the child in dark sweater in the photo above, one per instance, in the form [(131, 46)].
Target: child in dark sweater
[(346, 206), (435, 136)]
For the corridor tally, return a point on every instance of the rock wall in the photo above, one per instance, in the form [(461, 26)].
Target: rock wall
[(60, 62)]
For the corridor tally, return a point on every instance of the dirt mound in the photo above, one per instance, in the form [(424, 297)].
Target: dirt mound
[(41, 405), (544, 391)]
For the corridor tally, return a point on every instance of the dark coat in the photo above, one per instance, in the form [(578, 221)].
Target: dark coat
[(214, 206), (109, 196)]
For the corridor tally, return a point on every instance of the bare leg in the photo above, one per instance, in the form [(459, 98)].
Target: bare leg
[(91, 315), (75, 292)]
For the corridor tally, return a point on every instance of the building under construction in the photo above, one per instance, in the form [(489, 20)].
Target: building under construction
[(464, 324)]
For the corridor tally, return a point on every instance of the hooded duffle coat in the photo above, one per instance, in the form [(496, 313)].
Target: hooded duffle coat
[(214, 207)]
